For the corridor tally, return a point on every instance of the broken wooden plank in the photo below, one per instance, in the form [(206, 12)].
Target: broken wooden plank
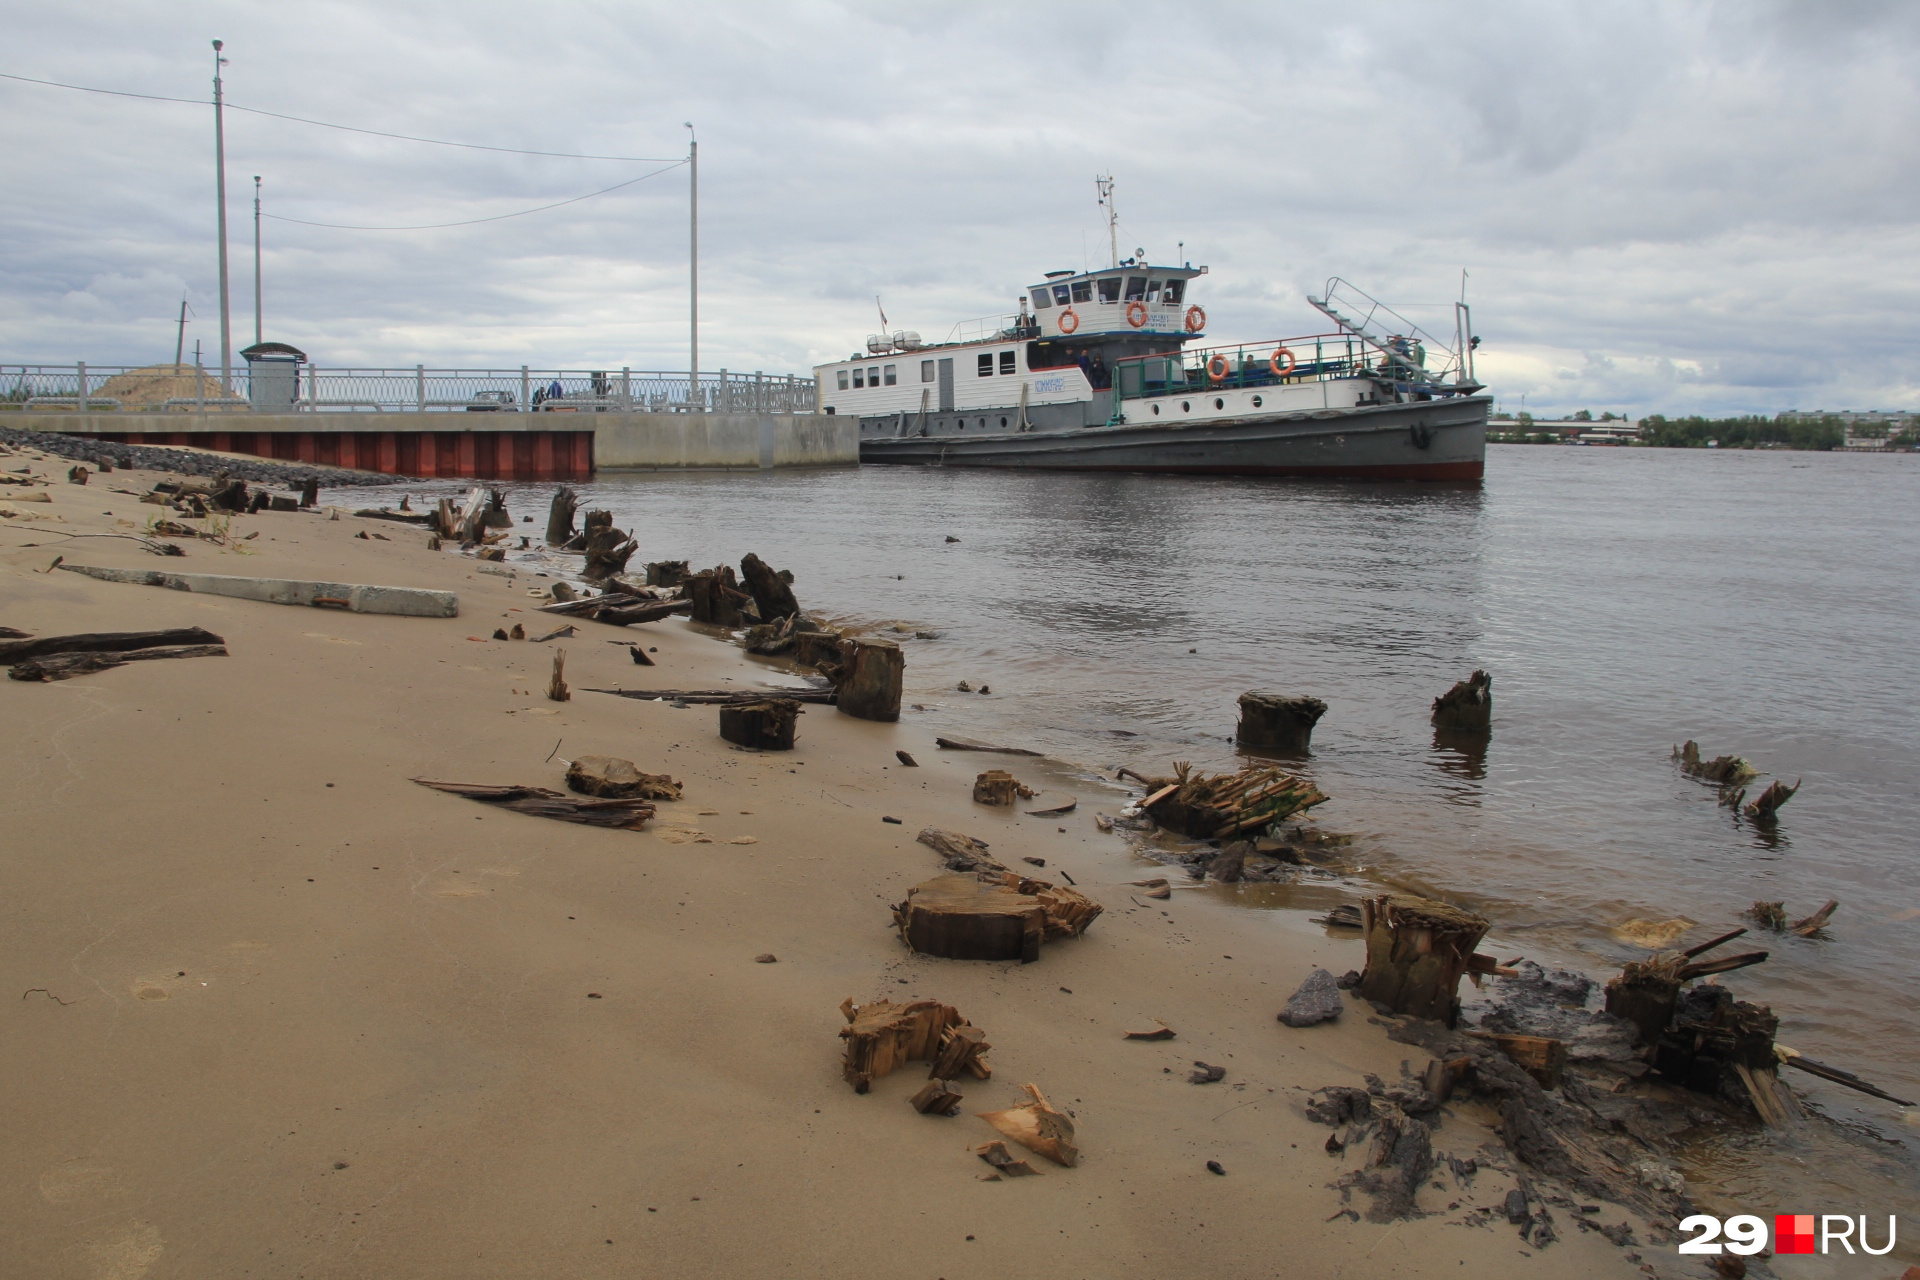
[(721, 695), (1794, 1058), (1726, 964), (1817, 921), (1161, 1032), (1003, 1162), (412, 602), (64, 666), (968, 744), (958, 852), (104, 642), (1052, 804), (1035, 1125), (1711, 943), (622, 615), (936, 1099), (622, 814), (1543, 1057)]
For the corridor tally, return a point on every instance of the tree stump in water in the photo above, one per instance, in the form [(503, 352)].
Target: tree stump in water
[(608, 550), (1467, 707), (871, 679), (1278, 721), (560, 515), (717, 598), (960, 918), (666, 573), (771, 594), (816, 648), (1416, 951), (767, 724), (1645, 993)]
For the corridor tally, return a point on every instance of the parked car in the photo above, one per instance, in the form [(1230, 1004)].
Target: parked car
[(493, 402)]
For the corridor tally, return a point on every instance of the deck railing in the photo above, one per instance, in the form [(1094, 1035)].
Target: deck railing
[(306, 388), (1316, 358)]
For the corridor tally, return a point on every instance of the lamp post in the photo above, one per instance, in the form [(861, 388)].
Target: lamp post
[(256, 259), (220, 167), (693, 266)]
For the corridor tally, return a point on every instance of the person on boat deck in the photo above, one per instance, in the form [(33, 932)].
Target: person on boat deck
[(1098, 374)]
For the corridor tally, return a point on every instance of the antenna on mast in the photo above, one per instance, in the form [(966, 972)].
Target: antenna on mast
[(1104, 185)]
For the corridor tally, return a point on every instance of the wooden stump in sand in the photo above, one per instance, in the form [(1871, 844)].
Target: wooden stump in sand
[(771, 595), (1278, 721), (1416, 951), (560, 515), (1467, 707), (871, 680), (960, 918), (666, 573), (767, 724), (717, 598), (997, 786), (816, 648), (882, 1035)]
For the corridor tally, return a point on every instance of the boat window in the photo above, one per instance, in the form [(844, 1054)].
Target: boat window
[(1062, 295), (843, 379), (1136, 288), (1041, 298), (873, 376), (1153, 291), (890, 375), (1006, 362), (1109, 288), (986, 364), (859, 379), (1083, 291), (1174, 291), (926, 371)]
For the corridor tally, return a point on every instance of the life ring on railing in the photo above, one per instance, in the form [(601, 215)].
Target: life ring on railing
[(1279, 370), (1068, 321), (1196, 319), (1137, 314), (1218, 368)]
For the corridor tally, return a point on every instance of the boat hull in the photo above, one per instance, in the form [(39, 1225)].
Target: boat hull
[(1442, 440)]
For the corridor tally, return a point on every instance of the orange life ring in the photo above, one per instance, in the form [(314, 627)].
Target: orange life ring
[(1226, 367), (1273, 362), (1196, 319), (1068, 321), (1137, 314)]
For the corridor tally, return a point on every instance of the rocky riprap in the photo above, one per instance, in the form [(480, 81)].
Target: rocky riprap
[(190, 462)]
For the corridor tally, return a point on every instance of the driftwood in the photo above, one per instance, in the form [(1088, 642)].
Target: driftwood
[(721, 695), (958, 852), (625, 815), (612, 778), (882, 1036), (104, 642), (467, 525), (1416, 951), (936, 1099), (1035, 1125), (1278, 721), (870, 679), (624, 615), (1793, 1058), (771, 594), (765, 723), (817, 649), (560, 514), (968, 744), (1467, 707), (1542, 1057), (717, 598), (64, 666), (1725, 771), (998, 787), (667, 573), (557, 686), (1211, 808), (1763, 809), (405, 517), (608, 549)]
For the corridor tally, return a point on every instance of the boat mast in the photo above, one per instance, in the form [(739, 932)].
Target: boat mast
[(1104, 185)]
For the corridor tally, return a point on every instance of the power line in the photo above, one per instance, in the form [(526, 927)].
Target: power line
[(498, 217), (345, 128)]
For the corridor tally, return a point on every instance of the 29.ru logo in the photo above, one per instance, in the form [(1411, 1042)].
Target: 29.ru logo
[(1792, 1233)]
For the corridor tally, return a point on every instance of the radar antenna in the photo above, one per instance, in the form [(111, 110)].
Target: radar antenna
[(1104, 185)]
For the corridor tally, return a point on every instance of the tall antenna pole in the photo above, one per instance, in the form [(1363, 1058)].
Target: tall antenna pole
[(220, 166), (1105, 186), (256, 259), (180, 343), (693, 266)]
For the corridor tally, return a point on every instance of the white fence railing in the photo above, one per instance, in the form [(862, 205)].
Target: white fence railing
[(306, 388)]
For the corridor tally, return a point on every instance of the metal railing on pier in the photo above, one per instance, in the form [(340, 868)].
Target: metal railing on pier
[(307, 388)]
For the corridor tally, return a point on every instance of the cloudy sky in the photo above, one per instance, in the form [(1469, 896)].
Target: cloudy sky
[(1662, 207)]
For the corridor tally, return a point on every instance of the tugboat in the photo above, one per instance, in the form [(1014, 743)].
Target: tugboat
[(1098, 371)]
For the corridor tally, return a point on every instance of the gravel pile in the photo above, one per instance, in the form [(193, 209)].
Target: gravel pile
[(189, 462)]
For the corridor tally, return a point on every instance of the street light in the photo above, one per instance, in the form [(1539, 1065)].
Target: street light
[(220, 167), (693, 265), (256, 259)]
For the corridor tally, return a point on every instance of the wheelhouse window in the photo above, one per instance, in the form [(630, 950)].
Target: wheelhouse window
[(1109, 288), (1041, 298), (986, 364), (1006, 362), (1063, 295), (1174, 291), (1153, 292), (1136, 288), (843, 379), (1083, 291), (890, 375), (873, 376), (926, 371), (859, 379)]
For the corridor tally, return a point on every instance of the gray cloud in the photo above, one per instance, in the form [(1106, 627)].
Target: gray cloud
[(1663, 207)]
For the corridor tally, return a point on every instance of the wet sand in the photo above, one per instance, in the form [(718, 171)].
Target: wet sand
[(286, 1013)]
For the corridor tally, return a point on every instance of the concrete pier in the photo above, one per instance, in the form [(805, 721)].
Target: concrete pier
[(487, 446)]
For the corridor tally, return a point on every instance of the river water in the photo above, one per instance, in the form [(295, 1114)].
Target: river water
[(1624, 600)]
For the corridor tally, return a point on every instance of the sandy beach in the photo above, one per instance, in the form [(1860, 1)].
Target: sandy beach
[(272, 1009)]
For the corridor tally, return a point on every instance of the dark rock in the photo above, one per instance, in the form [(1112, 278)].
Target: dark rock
[(1206, 1074), (1318, 1000), (1337, 1105)]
